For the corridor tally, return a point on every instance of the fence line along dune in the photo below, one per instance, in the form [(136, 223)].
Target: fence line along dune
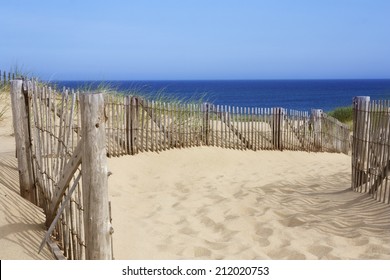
[(205, 202)]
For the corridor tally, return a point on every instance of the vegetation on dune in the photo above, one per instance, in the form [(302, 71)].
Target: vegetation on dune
[(4, 100), (343, 114)]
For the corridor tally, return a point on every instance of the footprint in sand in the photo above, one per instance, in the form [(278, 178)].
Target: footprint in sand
[(240, 194), (262, 242), (248, 211), (181, 187), (188, 231), (292, 222), (223, 234), (201, 252), (286, 254), (263, 231), (182, 220), (231, 217), (216, 245), (320, 251)]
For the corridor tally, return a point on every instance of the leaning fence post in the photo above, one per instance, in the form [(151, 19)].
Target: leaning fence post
[(361, 124), (316, 116), (94, 180), (20, 115)]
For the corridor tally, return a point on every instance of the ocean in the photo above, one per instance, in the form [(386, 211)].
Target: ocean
[(290, 94)]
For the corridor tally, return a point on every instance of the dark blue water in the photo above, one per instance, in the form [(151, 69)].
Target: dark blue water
[(290, 94)]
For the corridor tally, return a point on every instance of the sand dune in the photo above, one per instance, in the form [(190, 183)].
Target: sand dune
[(211, 203)]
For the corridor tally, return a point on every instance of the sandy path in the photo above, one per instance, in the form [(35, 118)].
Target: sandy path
[(211, 203)]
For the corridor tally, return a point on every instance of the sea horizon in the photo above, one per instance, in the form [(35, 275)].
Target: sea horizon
[(298, 94)]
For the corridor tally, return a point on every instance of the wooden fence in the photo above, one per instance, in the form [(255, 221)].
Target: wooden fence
[(60, 145), (5, 78), (136, 125), (371, 148), (63, 139)]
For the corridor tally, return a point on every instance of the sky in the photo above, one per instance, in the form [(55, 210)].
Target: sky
[(196, 39)]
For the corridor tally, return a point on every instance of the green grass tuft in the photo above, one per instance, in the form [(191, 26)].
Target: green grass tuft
[(343, 114)]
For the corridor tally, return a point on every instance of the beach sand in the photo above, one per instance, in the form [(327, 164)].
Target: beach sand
[(213, 203)]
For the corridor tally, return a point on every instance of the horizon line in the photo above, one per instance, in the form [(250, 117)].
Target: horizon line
[(203, 79)]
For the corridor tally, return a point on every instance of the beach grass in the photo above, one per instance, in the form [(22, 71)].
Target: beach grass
[(343, 114), (4, 100)]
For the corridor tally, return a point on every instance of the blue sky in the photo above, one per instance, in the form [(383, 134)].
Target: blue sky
[(196, 39)]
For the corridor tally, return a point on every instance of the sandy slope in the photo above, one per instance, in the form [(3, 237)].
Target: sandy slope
[(211, 203)]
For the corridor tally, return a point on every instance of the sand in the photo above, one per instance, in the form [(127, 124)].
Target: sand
[(213, 203)]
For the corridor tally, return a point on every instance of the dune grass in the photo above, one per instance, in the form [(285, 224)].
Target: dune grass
[(343, 114), (4, 100)]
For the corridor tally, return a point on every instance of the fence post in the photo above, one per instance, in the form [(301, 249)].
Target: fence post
[(361, 124), (134, 124), (20, 113), (316, 117), (277, 118), (206, 123), (94, 180)]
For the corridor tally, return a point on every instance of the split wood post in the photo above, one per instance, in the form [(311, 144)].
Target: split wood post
[(20, 112), (94, 181), (206, 123), (277, 119), (316, 116), (134, 104), (361, 124), (127, 124)]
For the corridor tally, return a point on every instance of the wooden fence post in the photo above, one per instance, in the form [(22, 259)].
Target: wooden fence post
[(316, 117), (277, 119), (206, 123), (20, 113), (134, 124), (360, 142), (94, 180)]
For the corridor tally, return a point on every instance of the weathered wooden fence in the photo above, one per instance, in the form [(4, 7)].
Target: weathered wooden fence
[(136, 125), (371, 148), (7, 77), (60, 145)]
